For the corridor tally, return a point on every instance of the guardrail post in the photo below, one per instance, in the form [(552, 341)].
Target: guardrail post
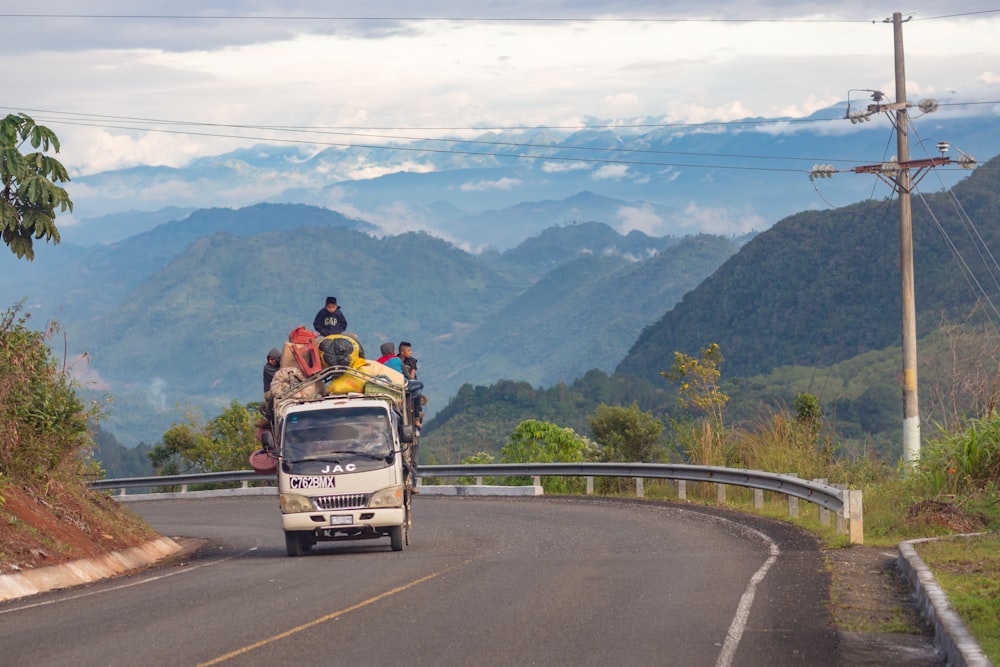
[(245, 484), (758, 499), (857, 517), (793, 503), (720, 493), (536, 480), (184, 488), (590, 485), (682, 493), (844, 513), (640, 490), (479, 480), (824, 514)]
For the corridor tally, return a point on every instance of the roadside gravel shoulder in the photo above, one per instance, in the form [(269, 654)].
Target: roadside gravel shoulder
[(875, 610)]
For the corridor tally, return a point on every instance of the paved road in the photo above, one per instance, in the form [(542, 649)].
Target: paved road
[(484, 582)]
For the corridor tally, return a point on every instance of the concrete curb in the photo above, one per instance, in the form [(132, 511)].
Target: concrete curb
[(950, 634), (84, 571)]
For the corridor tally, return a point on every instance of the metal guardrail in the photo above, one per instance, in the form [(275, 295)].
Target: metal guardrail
[(845, 504)]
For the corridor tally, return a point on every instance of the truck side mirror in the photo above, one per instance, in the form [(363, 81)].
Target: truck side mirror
[(407, 433)]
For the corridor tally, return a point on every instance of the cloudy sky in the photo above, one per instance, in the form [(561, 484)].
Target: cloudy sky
[(196, 78)]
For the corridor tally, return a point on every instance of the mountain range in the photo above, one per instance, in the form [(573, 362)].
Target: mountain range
[(177, 315), (822, 287), (180, 316)]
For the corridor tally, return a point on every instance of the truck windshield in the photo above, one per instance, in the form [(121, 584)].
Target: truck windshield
[(338, 433)]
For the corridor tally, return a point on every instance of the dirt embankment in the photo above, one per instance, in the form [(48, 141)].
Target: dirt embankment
[(41, 527)]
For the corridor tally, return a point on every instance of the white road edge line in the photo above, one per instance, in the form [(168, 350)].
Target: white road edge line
[(736, 628), (147, 580)]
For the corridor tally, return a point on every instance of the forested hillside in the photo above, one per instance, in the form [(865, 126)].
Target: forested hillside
[(178, 318), (811, 305), (823, 286), (582, 315)]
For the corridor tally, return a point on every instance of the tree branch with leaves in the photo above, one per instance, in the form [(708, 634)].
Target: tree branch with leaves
[(30, 196)]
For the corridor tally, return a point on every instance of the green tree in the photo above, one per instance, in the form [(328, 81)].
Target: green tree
[(627, 434), (224, 443), (808, 415), (698, 381), (30, 196), (698, 389), (543, 442)]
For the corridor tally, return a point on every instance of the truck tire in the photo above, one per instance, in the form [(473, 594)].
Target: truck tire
[(294, 543), (396, 537)]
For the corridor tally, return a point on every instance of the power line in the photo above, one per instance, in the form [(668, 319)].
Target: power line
[(469, 19), (456, 19), (92, 120), (424, 149), (515, 144)]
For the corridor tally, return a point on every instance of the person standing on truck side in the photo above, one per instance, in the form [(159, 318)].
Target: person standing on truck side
[(330, 319), (271, 367), (414, 386)]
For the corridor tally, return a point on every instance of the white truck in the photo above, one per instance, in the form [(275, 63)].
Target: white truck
[(342, 437)]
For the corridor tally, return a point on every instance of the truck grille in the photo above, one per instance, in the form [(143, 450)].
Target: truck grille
[(344, 501)]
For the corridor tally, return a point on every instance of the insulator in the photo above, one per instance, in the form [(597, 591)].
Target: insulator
[(890, 167), (821, 171), (929, 105), (966, 161)]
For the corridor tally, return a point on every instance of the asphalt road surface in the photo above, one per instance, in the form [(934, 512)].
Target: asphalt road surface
[(484, 582)]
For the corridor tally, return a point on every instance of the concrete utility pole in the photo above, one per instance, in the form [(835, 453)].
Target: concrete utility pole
[(911, 406), (897, 173)]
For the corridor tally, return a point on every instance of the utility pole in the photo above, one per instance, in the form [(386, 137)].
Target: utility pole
[(896, 172), (911, 405)]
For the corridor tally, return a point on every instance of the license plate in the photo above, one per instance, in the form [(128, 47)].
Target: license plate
[(341, 520)]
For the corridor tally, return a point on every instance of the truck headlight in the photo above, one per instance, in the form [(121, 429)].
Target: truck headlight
[(388, 497), (291, 503)]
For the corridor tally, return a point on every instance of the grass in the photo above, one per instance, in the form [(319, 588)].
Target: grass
[(968, 569)]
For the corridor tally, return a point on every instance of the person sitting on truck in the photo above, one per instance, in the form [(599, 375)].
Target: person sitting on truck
[(330, 319), (408, 361), (389, 358)]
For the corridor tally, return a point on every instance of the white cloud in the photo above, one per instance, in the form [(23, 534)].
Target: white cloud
[(366, 171), (611, 171), (559, 167), (499, 184), (642, 218), (621, 104), (439, 74), (719, 220)]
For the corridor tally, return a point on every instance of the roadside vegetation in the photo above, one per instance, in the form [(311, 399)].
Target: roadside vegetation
[(968, 570), (45, 462)]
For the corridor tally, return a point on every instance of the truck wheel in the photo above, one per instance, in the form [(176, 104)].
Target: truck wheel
[(293, 543), (396, 537)]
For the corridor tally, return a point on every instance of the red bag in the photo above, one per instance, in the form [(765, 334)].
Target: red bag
[(308, 357), (301, 335)]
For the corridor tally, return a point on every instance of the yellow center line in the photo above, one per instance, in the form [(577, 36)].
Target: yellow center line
[(328, 617)]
